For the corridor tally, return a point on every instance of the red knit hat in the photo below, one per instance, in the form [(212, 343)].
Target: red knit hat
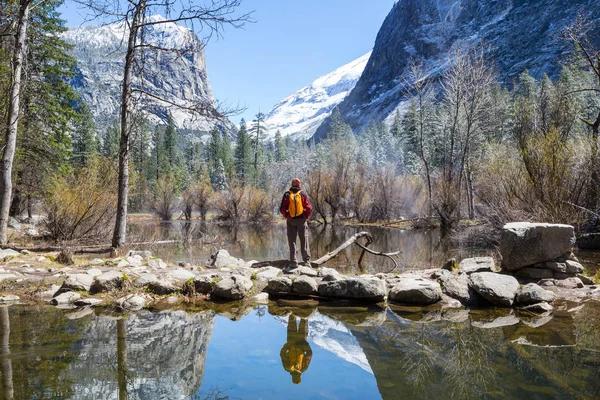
[(296, 182)]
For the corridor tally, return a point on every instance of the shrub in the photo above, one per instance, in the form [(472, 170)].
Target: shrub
[(258, 205), (83, 206), (165, 198)]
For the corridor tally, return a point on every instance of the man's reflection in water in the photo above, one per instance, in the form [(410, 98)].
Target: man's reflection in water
[(296, 353)]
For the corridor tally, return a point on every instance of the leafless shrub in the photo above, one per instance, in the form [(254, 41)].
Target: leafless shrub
[(258, 206), (230, 203), (165, 198)]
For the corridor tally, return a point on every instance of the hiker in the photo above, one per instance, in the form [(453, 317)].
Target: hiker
[(296, 352), (296, 209)]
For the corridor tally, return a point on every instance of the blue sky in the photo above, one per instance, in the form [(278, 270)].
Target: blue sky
[(291, 44)]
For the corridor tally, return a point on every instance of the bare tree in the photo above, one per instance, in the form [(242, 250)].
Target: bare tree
[(211, 16), (12, 116)]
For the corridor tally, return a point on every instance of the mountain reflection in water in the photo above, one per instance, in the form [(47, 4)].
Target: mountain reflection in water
[(297, 351)]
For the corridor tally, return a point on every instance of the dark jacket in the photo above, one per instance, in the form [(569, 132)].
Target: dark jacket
[(285, 203)]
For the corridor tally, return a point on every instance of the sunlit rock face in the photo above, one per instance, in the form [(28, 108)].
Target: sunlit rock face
[(180, 78), (517, 35), (160, 356)]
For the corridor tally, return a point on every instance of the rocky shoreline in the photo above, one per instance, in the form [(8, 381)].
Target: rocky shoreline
[(538, 268)]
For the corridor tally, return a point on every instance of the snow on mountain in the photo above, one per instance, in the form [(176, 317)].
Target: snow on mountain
[(178, 77), (300, 114)]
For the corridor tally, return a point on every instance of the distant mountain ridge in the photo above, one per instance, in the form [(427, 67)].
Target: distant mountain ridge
[(519, 35), (180, 79), (300, 114)]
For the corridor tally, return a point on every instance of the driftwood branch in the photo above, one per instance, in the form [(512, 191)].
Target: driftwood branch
[(332, 254)]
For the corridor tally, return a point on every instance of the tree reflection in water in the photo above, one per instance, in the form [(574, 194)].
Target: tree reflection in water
[(6, 362)]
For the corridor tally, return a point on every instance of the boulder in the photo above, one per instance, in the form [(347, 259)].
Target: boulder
[(94, 272), (525, 243), (123, 264), (65, 298), (568, 267), (570, 283), (302, 270), (586, 279), (534, 273), (416, 291), (498, 289), (547, 282), (457, 287), (161, 287), (203, 284), (476, 264), (88, 302), (267, 273), (5, 253), (78, 282), (234, 287), (222, 258), (131, 302), (157, 263), (279, 285), (532, 294), (371, 290), (304, 284), (145, 254), (134, 261), (97, 262), (108, 281), (145, 279), (180, 276), (329, 274), (7, 276)]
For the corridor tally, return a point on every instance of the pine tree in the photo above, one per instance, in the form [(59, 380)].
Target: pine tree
[(227, 156), (243, 153), (257, 133), (281, 148), (171, 142), (339, 129), (85, 139), (110, 144)]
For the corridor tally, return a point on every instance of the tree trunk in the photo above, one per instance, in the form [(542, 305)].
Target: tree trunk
[(119, 234), (12, 119)]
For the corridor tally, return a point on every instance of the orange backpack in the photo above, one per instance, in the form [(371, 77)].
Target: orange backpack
[(295, 208)]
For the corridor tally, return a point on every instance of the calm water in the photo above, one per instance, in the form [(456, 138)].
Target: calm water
[(299, 353), (421, 249)]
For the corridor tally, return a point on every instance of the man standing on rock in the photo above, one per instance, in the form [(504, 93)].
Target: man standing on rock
[(296, 209)]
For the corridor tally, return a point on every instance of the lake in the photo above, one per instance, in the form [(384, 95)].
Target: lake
[(294, 351)]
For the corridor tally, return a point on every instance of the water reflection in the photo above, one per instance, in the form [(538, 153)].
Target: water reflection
[(422, 249), (296, 352), (334, 351)]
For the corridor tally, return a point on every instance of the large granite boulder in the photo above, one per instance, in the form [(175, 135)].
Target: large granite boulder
[(498, 289), (78, 282), (234, 287), (416, 291), (222, 259), (532, 294), (370, 290), (305, 284), (282, 284), (476, 264), (108, 281), (457, 287), (525, 243)]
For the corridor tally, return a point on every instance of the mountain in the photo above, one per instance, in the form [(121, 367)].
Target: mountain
[(178, 78), (517, 35), (300, 114)]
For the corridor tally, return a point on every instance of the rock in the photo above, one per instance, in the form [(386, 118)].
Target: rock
[(329, 274), (234, 287), (539, 308), (267, 273), (585, 279), (94, 272), (532, 294), (157, 263), (440, 273), (123, 264), (78, 282), (108, 281), (279, 285), (88, 302), (498, 289), (304, 284), (25, 252), (371, 290), (222, 258), (308, 271), (203, 284), (161, 287), (476, 264), (9, 298), (498, 322), (573, 267), (547, 282), (534, 273), (180, 276), (14, 223), (589, 241), (568, 267), (131, 302), (134, 261), (48, 294), (261, 298), (457, 287), (6, 253), (416, 291), (525, 243), (7, 276), (145, 279), (144, 254), (80, 313), (570, 283), (65, 298), (97, 262)]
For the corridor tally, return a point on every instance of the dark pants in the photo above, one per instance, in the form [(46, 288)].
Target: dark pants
[(298, 227)]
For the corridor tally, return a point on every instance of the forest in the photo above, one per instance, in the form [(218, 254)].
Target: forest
[(464, 146)]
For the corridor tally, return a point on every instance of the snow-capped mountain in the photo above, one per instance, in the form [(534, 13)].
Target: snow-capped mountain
[(178, 77), (300, 114), (517, 35)]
